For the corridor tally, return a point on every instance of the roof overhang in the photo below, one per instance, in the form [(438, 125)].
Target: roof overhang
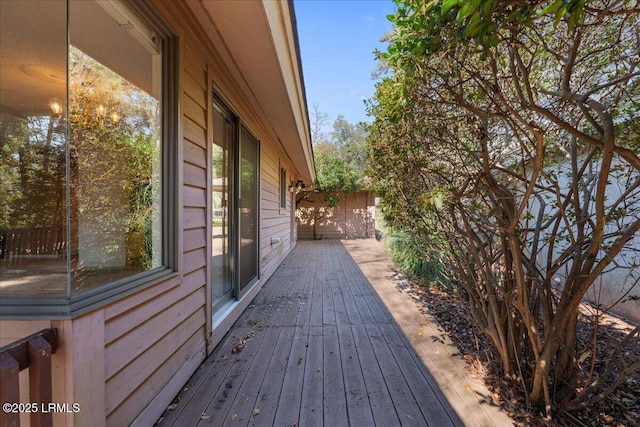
[(258, 42)]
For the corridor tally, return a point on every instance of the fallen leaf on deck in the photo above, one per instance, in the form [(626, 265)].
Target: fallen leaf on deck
[(238, 347)]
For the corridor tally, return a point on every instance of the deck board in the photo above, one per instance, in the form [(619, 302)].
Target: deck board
[(401, 395), (382, 409), (334, 398), (321, 348), (311, 413), (288, 406), (358, 406)]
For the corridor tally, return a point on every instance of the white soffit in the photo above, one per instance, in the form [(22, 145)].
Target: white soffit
[(258, 41)]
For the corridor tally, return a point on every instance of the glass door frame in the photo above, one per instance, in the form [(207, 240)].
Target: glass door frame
[(241, 288), (220, 106), (234, 209)]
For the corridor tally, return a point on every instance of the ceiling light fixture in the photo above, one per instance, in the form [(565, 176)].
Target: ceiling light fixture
[(56, 106)]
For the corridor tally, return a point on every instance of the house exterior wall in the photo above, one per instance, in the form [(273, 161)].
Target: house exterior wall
[(616, 287), (154, 344), (123, 363), (276, 222), (352, 217)]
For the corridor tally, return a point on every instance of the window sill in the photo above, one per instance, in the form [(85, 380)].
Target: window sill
[(60, 308)]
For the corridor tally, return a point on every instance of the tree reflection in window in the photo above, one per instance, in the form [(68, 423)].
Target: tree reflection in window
[(115, 157), (80, 184)]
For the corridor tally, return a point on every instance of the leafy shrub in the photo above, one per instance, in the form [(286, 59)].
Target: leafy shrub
[(414, 258)]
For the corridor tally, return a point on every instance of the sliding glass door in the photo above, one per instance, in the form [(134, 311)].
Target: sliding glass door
[(224, 134), (248, 209), (234, 211)]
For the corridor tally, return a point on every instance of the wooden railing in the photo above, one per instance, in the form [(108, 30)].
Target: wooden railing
[(16, 243), (33, 352)]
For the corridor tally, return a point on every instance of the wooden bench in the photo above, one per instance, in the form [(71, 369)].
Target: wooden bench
[(16, 243)]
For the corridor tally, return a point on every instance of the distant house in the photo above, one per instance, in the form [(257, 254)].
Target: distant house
[(353, 216), (148, 149)]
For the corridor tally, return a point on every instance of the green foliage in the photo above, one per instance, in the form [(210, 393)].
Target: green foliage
[(340, 165), (341, 161), (350, 139), (32, 167), (426, 28), (114, 161), (335, 175), (506, 141), (415, 257)]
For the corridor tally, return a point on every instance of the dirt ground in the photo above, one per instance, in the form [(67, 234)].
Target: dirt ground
[(620, 408)]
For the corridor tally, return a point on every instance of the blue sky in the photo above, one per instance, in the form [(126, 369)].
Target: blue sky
[(337, 40)]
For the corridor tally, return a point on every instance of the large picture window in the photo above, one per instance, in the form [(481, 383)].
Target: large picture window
[(83, 131)]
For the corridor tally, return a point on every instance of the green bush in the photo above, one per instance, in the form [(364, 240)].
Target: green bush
[(415, 258)]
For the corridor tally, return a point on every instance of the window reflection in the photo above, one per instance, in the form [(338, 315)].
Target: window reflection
[(32, 196), (114, 151), (80, 196), (248, 208), (224, 130), (32, 149)]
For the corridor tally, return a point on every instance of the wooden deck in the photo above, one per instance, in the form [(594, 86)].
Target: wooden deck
[(319, 347)]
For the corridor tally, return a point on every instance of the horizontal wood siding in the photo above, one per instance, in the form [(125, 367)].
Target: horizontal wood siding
[(142, 396), (127, 360), (149, 336), (274, 221)]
